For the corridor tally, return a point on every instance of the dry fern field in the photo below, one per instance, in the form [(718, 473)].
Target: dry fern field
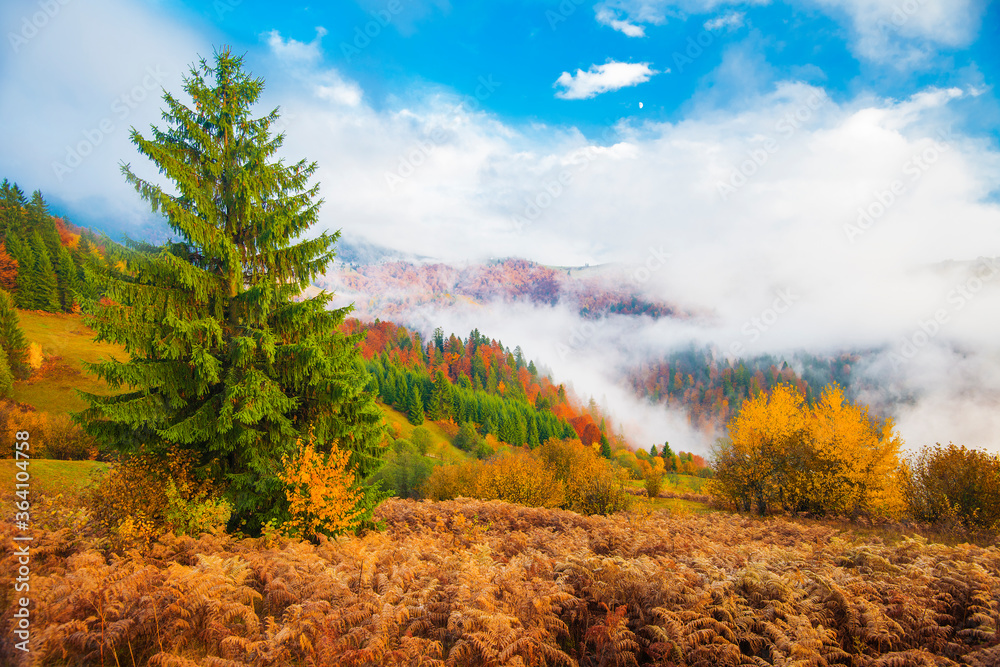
[(470, 583)]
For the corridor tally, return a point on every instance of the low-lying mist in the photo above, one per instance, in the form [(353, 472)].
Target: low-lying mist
[(935, 371)]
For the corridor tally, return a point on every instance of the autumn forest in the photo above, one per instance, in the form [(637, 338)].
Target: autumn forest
[(211, 460)]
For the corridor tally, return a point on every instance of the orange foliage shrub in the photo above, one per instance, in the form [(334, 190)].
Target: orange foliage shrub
[(560, 473), (954, 487), (321, 492), (452, 481), (52, 436), (519, 478), (35, 357), (830, 458), (593, 485), (8, 270)]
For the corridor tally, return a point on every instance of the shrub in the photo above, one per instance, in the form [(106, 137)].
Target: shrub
[(451, 481), (603, 493), (144, 496), (630, 464), (321, 491), (405, 470), (66, 441), (560, 473), (52, 436), (422, 439), (468, 440), (196, 515), (593, 485), (35, 357), (954, 485), (832, 457), (520, 478), (653, 484)]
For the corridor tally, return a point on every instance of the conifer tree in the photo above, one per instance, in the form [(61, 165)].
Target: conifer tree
[(21, 251), (533, 440), (6, 378), (225, 358), (669, 458), (44, 287), (440, 406), (414, 406), (13, 345), (605, 447), (41, 220), (66, 278), (402, 392), (12, 208)]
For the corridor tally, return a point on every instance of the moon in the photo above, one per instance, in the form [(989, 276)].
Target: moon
[(640, 105)]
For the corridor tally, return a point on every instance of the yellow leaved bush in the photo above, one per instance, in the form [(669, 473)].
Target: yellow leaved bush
[(829, 458), (321, 491)]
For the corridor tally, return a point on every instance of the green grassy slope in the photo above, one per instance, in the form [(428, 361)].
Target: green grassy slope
[(442, 448), (53, 476), (67, 343)]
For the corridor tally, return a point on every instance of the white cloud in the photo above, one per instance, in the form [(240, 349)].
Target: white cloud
[(73, 131), (656, 12), (339, 90), (729, 21), (907, 33), (302, 61), (814, 166), (608, 17), (295, 51), (602, 79), (887, 31)]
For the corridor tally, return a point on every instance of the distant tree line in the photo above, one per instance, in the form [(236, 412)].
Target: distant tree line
[(43, 258)]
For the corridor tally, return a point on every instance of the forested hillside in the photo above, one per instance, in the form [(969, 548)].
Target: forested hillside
[(710, 388), (475, 380), (389, 289), (43, 257)]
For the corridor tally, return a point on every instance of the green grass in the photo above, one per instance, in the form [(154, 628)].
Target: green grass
[(65, 337), (679, 505), (683, 483), (442, 441), (676, 483), (52, 476)]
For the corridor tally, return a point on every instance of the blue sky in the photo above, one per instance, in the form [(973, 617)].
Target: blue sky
[(541, 77), (527, 45), (845, 152)]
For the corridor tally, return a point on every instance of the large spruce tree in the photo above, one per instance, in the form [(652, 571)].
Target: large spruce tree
[(226, 357)]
